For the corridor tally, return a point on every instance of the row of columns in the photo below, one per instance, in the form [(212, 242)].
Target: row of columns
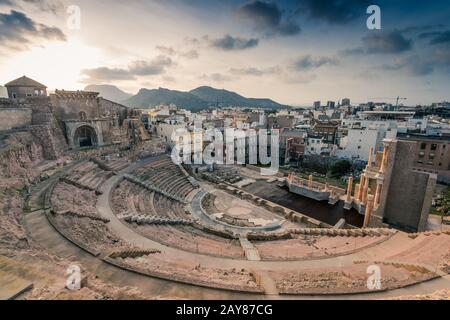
[(362, 191)]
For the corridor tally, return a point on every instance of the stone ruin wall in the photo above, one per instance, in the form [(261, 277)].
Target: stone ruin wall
[(13, 116), (23, 151)]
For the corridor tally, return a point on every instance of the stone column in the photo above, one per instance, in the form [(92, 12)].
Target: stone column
[(369, 162), (365, 190), (378, 193), (349, 189), (385, 157), (369, 208), (357, 191), (361, 187), (310, 181)]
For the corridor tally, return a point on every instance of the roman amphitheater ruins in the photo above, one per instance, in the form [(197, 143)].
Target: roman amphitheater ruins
[(84, 184)]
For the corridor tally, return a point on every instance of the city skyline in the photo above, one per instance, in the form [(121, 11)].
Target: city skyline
[(294, 52)]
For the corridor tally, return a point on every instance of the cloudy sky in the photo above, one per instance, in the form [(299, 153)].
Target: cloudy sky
[(294, 52)]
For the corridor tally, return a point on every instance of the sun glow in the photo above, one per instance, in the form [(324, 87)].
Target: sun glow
[(57, 65)]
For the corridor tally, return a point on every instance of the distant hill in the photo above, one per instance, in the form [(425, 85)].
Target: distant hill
[(229, 98), (149, 98), (196, 100), (109, 92), (3, 92)]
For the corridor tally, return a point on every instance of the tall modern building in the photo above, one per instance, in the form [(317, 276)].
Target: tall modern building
[(331, 104), (346, 102), (317, 105)]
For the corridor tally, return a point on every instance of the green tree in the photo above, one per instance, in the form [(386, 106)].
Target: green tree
[(340, 168)]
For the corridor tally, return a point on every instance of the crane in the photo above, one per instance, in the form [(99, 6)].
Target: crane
[(397, 99)]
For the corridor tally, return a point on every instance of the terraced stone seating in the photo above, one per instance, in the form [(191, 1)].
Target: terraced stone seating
[(115, 165), (91, 235), (81, 215), (162, 266), (137, 253), (348, 279), (144, 219), (320, 243), (345, 232), (151, 187), (67, 197), (167, 177), (190, 238), (89, 175)]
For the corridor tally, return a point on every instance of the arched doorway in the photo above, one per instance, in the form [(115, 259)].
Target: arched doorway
[(85, 136)]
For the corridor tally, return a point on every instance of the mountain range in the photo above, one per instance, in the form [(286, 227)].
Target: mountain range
[(195, 100), (109, 92)]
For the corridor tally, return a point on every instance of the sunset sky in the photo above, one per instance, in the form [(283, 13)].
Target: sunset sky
[(294, 52)]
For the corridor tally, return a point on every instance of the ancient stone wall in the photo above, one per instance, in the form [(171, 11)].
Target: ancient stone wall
[(13, 116), (409, 191), (21, 152)]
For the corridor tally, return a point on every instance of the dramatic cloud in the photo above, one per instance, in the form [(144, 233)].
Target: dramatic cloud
[(215, 77), (170, 51), (53, 6), (437, 37), (107, 74), (267, 18), (308, 62), (154, 67), (140, 68), (230, 43), (437, 59), (383, 42), (387, 42), (334, 11), (251, 71), (18, 31)]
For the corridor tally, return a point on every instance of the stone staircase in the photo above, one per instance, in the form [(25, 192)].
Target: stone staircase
[(251, 253)]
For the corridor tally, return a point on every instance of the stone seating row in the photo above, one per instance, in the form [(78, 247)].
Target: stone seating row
[(80, 215), (377, 232), (156, 220), (149, 186)]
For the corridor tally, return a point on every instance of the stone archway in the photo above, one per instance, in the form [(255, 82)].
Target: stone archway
[(85, 136)]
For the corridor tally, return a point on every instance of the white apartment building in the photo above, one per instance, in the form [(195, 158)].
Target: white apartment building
[(357, 143), (166, 129), (315, 145)]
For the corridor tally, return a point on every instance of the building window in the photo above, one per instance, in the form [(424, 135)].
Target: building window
[(421, 155), (423, 146), (431, 156), (14, 95), (434, 147)]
